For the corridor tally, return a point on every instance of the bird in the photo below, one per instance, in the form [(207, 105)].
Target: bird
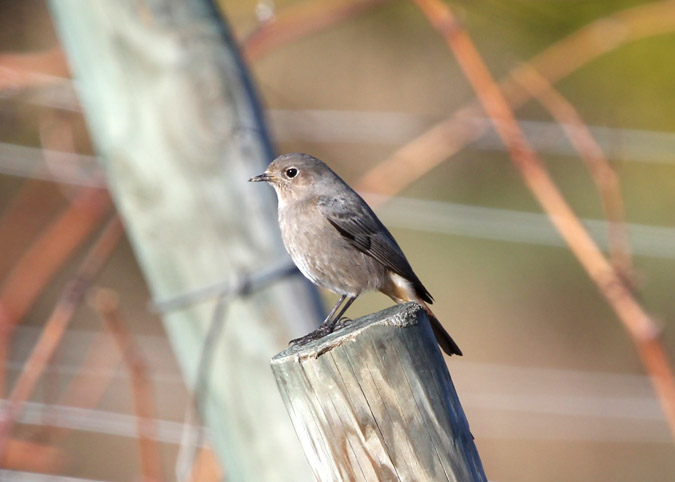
[(338, 243)]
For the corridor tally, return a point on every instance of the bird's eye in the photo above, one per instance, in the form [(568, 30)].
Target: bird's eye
[(291, 172)]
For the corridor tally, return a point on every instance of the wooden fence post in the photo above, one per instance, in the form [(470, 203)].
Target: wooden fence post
[(178, 129), (374, 401)]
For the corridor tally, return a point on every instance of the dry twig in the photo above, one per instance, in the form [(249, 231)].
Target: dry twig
[(300, 21), (23, 218), (640, 326), (206, 468), (96, 371), (602, 172), (21, 71), (89, 384), (34, 457), (49, 252), (43, 258), (446, 138), (56, 326), (106, 303)]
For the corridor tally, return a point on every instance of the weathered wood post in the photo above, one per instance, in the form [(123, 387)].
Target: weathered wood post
[(374, 401), (178, 128)]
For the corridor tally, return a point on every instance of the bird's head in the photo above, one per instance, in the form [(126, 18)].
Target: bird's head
[(297, 176)]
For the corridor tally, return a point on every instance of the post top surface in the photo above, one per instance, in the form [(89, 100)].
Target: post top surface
[(403, 315)]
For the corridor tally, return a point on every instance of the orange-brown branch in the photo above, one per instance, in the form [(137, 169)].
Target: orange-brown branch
[(207, 467), (48, 253), (590, 151), (446, 138), (640, 326), (35, 69), (24, 217), (56, 325), (33, 457), (87, 387), (300, 21), (42, 259), (107, 305)]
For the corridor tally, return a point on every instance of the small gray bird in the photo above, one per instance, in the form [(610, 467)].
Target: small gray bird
[(337, 242)]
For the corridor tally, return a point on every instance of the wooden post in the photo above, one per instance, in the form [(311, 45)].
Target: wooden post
[(177, 125), (374, 401)]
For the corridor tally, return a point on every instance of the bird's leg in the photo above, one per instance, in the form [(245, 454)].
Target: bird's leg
[(331, 320), (338, 318), (328, 319), (328, 324)]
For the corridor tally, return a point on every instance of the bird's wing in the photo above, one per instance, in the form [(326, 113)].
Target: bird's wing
[(357, 223)]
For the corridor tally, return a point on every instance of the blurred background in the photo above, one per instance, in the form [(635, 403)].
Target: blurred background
[(551, 382)]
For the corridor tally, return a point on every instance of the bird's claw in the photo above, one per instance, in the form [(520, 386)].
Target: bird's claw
[(320, 332), (345, 320)]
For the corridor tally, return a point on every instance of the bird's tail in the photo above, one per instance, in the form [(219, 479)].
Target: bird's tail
[(401, 290), (443, 339)]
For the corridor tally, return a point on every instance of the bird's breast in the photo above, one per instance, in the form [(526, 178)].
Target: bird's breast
[(323, 255)]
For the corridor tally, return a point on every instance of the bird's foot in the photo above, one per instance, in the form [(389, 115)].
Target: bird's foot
[(320, 332), (343, 321)]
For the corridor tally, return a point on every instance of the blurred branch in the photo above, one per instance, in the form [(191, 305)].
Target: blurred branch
[(640, 326), (301, 21), (23, 218), (430, 149), (31, 456), (206, 468), (192, 440), (94, 375), (602, 172), (48, 253), (56, 325), (597, 38), (106, 303), (36, 202), (36, 69), (42, 259), (59, 153)]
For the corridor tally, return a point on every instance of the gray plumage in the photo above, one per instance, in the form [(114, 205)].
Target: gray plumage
[(338, 242)]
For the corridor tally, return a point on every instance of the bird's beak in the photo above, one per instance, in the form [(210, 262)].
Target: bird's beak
[(264, 177)]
